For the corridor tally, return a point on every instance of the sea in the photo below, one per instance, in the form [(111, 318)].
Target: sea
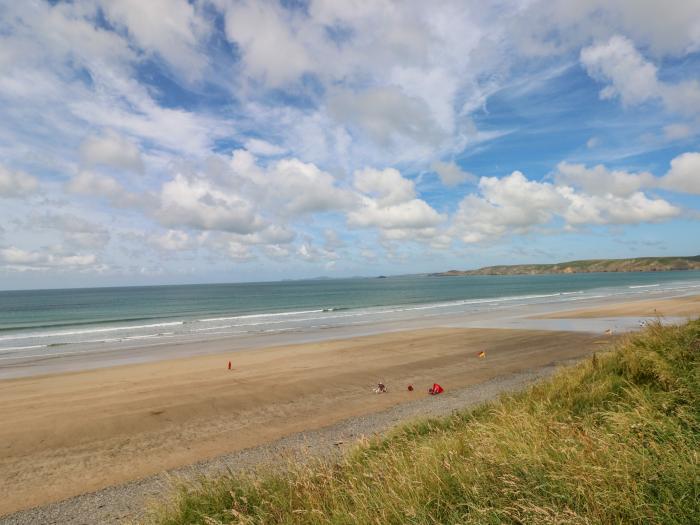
[(35, 323)]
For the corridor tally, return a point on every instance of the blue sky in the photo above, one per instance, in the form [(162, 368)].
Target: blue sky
[(176, 141)]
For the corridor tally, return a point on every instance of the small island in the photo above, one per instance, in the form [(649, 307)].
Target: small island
[(639, 264)]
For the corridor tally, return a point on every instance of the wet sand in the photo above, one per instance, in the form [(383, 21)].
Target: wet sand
[(70, 433), (688, 307)]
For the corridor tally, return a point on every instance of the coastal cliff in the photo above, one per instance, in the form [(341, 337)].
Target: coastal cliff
[(640, 264)]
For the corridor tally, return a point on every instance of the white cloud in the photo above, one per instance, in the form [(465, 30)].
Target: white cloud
[(196, 203), (175, 36), (91, 183), (270, 40), (77, 231), (634, 79), (172, 240), (289, 186), (512, 204), (516, 205), (413, 214), (25, 260), (555, 26), (239, 252), (275, 251), (390, 203), (263, 148), (16, 183), (452, 175), (387, 115), (113, 150), (636, 208), (684, 175), (599, 180), (304, 188), (631, 77), (387, 186)]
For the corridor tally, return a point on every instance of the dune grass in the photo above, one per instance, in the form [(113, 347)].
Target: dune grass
[(614, 439)]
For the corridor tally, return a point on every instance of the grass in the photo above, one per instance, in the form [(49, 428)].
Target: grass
[(614, 439)]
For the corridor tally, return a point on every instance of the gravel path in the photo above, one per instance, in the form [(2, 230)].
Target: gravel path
[(128, 502)]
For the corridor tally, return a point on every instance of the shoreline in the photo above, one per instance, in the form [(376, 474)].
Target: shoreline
[(554, 315)]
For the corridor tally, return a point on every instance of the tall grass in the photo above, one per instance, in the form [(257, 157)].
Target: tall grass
[(614, 439)]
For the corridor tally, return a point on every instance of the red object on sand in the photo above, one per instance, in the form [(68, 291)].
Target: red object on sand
[(437, 389), (410, 388), (229, 365)]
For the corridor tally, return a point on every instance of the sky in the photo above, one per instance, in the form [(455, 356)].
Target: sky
[(175, 141)]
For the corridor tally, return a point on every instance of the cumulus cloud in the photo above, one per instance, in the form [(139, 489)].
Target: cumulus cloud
[(636, 208), (634, 79), (684, 175), (244, 207), (599, 180), (196, 203), (631, 77), (390, 203), (16, 183), (516, 205), (388, 187), (291, 186), (112, 150), (452, 175)]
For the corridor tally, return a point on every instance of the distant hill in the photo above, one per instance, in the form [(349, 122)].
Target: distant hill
[(640, 264)]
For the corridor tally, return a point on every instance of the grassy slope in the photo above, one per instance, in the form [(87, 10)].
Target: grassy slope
[(615, 439)]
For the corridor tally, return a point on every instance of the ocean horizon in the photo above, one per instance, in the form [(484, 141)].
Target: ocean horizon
[(35, 323)]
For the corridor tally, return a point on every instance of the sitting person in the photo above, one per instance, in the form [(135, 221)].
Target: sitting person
[(381, 388)]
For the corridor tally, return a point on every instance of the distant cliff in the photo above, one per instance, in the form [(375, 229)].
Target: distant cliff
[(640, 264)]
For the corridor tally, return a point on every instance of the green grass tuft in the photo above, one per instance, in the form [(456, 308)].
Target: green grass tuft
[(614, 439)]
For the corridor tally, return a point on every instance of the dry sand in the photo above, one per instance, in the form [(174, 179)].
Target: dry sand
[(677, 307), (67, 434)]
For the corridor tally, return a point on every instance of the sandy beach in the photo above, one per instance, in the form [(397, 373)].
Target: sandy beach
[(688, 306), (69, 433)]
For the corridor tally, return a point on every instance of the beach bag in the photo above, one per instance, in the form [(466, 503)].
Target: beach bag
[(437, 389)]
